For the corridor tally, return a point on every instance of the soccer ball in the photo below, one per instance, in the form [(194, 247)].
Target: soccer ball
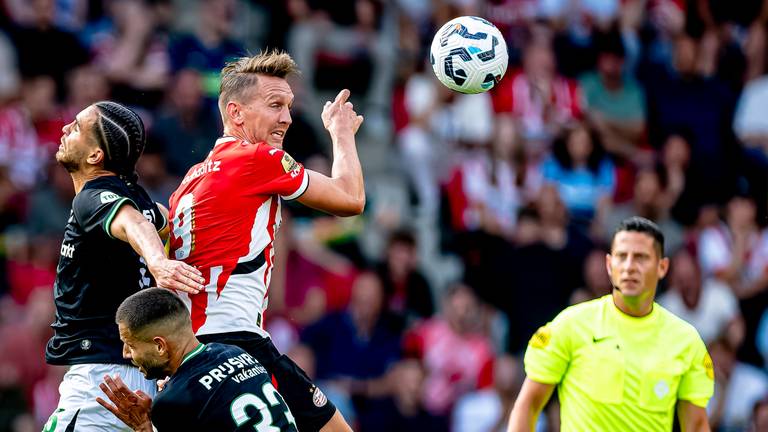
[(469, 55)]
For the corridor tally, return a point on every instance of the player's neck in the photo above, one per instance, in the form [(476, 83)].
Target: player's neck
[(80, 178), (634, 306), (187, 347)]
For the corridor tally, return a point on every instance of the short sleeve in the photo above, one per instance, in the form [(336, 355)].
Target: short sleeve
[(548, 353), (698, 383), (277, 173), (96, 208)]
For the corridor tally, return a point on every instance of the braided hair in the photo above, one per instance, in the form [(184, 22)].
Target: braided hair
[(120, 134)]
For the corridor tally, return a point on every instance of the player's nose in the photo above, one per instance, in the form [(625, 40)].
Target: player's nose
[(285, 116)]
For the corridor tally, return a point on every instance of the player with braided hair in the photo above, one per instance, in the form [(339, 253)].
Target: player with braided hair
[(111, 250)]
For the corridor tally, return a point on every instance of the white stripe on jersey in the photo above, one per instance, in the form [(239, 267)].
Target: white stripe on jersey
[(243, 297), (301, 189)]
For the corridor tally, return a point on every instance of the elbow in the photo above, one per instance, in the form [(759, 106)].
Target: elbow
[(354, 208)]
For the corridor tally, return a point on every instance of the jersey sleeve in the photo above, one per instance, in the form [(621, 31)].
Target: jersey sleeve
[(698, 383), (549, 353), (276, 173), (96, 208)]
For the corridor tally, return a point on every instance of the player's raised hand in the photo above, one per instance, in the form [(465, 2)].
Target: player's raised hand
[(339, 116), (176, 275), (132, 407)]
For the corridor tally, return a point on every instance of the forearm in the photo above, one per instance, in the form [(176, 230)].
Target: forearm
[(346, 169), (523, 417), (145, 241)]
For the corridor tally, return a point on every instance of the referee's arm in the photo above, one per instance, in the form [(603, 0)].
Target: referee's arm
[(693, 418), (531, 400)]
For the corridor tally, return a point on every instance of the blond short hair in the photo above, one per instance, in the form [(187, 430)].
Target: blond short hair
[(239, 76)]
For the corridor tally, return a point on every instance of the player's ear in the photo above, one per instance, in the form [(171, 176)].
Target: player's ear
[(663, 267), (95, 156), (235, 113), (608, 264), (161, 345)]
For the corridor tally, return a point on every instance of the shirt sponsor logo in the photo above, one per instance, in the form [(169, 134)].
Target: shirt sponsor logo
[(108, 197), (541, 338), (207, 166), (67, 250), (239, 369), (318, 398)]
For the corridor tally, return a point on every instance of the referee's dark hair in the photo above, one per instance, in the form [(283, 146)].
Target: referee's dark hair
[(642, 225), (153, 308)]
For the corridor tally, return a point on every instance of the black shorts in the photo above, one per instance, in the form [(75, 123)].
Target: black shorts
[(308, 404)]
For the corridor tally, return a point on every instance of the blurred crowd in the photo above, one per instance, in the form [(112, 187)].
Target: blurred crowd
[(487, 214)]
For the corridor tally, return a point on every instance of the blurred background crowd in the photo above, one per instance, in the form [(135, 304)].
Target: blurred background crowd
[(487, 214)]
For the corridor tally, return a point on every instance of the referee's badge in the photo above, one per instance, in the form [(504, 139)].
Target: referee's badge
[(541, 338), (661, 389), (709, 367)]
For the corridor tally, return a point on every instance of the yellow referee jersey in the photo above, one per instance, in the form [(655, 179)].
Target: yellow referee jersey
[(615, 372)]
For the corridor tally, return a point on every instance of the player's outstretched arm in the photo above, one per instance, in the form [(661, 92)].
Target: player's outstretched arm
[(132, 408), (531, 400), (693, 418), (130, 226), (342, 194)]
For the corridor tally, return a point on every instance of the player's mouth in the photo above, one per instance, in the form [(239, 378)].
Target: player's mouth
[(278, 134)]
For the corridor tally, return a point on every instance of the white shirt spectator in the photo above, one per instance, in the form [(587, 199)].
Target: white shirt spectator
[(716, 253), (717, 307), (747, 385), (750, 118)]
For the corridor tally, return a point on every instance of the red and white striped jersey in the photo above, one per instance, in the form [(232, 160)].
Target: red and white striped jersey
[(223, 219)]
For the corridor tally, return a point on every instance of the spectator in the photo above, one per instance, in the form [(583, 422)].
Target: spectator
[(596, 281), (406, 290), (536, 100), (759, 416), (683, 99), (357, 344), (750, 127), (582, 173), (405, 409), (488, 410), (352, 42), (9, 72), (22, 151), (738, 386), (45, 49), (185, 126), (457, 359), (615, 102), (50, 203), (650, 200), (133, 53), (209, 47), (707, 304)]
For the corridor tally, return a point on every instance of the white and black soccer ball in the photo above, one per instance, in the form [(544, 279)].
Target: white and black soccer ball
[(469, 55)]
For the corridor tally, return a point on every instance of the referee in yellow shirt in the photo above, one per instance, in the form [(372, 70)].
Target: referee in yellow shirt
[(621, 362)]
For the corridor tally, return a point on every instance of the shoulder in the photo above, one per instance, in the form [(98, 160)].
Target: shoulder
[(673, 324), (582, 311), (102, 190)]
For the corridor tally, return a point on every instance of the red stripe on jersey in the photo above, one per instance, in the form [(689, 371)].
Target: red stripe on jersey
[(271, 226)]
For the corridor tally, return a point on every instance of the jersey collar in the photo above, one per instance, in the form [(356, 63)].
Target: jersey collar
[(198, 349)]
